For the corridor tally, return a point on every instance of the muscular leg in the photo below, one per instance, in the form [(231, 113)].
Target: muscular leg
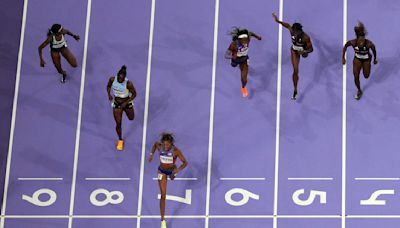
[(244, 69), (356, 72), (118, 121), (69, 57), (295, 63), (366, 66), (130, 113), (55, 56), (163, 191)]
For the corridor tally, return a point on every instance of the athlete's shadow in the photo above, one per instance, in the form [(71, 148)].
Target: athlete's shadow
[(386, 68), (328, 61)]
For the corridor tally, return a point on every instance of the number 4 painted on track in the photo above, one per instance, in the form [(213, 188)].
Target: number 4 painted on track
[(313, 194), (373, 199)]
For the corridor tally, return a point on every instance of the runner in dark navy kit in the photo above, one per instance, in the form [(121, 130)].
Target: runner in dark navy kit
[(238, 50), (362, 56), (301, 46), (58, 44), (168, 153)]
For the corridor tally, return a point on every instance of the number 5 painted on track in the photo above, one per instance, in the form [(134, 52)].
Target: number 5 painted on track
[(246, 195), (186, 200), (313, 194), (34, 199)]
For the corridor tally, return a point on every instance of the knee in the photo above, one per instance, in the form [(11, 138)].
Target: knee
[(74, 65), (131, 117), (366, 75), (163, 196), (118, 125), (296, 71)]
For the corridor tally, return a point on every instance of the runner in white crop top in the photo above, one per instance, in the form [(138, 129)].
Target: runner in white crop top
[(58, 47), (123, 93)]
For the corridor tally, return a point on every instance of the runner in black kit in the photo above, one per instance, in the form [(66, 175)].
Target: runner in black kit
[(362, 56), (301, 46)]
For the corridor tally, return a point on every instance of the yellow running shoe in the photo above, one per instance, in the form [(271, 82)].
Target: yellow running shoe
[(244, 92), (120, 145), (163, 224)]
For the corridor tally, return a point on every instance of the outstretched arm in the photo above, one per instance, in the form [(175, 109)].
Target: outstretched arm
[(66, 31), (284, 24), (309, 46), (255, 35), (155, 146), (183, 160), (344, 51), (109, 84), (233, 49), (374, 52), (43, 45)]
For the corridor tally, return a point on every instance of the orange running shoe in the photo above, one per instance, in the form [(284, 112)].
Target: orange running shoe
[(244, 92), (120, 145)]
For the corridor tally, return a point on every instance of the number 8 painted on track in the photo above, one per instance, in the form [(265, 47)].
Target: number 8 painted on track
[(34, 199), (245, 199), (109, 197)]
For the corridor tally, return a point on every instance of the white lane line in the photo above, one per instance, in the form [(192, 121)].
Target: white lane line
[(310, 178), (79, 121), (195, 216), (180, 179), (14, 114), (146, 113), (40, 179), (201, 216), (242, 179), (278, 116), (373, 216), (377, 179), (212, 104), (344, 119), (108, 179)]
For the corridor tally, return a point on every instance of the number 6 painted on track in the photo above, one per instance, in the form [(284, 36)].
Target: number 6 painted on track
[(246, 195), (34, 199), (109, 197), (313, 194)]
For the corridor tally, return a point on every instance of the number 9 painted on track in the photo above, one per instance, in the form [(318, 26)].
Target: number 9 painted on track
[(109, 197), (34, 199), (246, 195)]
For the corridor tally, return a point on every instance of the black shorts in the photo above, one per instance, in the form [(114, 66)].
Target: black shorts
[(116, 105), (364, 60), (239, 60), (57, 49)]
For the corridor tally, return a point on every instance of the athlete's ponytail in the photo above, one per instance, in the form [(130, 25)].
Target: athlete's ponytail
[(122, 70)]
